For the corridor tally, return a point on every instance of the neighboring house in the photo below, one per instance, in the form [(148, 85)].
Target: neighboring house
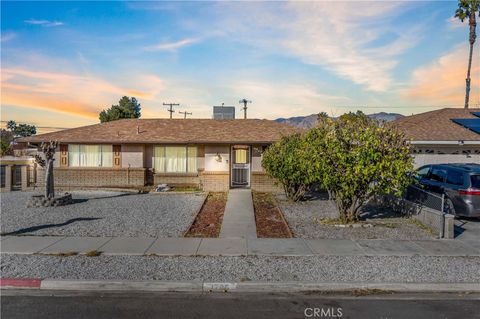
[(448, 135), (214, 155)]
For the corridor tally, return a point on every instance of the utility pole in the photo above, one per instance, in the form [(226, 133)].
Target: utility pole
[(170, 109), (244, 102), (185, 114)]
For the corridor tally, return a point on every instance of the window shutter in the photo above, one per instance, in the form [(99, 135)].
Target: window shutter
[(63, 155), (117, 153)]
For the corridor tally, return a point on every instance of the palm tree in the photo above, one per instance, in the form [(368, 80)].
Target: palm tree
[(468, 9)]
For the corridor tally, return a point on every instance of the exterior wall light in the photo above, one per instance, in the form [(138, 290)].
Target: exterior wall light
[(218, 158)]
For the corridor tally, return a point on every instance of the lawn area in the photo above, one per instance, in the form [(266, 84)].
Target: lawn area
[(103, 214), (315, 218)]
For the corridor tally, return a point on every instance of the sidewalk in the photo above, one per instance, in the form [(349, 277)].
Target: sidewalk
[(239, 217), (54, 245)]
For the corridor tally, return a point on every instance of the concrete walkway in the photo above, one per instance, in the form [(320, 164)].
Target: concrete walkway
[(239, 217), (55, 245)]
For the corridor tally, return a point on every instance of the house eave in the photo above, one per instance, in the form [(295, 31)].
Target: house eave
[(156, 142), (458, 142)]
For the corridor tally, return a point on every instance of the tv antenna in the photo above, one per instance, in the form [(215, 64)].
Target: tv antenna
[(170, 109), (244, 102), (185, 114)]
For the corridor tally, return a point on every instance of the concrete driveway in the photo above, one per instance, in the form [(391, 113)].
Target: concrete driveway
[(467, 230)]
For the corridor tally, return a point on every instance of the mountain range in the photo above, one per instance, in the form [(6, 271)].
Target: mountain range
[(309, 121)]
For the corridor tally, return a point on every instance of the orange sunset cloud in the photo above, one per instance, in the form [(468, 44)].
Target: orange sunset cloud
[(443, 81), (80, 95)]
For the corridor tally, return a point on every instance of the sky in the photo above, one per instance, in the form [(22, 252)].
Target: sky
[(64, 62)]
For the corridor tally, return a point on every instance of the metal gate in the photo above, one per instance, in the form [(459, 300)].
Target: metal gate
[(240, 166)]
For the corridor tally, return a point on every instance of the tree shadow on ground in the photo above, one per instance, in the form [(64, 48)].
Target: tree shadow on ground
[(40, 227), (375, 211), (315, 195), (83, 200)]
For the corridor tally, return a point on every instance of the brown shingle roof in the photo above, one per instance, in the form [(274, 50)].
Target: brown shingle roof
[(171, 131), (438, 125)]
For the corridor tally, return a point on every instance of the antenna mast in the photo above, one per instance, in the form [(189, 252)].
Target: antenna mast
[(244, 102)]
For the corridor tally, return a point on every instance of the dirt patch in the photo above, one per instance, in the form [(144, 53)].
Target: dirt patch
[(269, 219), (209, 220)]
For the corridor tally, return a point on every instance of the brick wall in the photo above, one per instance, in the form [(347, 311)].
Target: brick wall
[(173, 179), (263, 183), (66, 178), (215, 181)]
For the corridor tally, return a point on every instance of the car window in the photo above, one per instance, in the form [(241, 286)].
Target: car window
[(422, 172), (455, 177), (475, 179), (438, 174)]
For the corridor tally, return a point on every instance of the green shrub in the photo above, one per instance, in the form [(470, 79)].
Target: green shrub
[(287, 161), (360, 159)]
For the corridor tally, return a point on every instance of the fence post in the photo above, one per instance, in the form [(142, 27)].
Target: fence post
[(442, 231)]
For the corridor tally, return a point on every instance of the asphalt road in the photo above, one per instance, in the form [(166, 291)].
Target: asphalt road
[(56, 305)]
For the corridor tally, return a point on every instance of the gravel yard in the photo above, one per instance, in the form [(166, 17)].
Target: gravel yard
[(308, 268), (102, 213), (303, 219)]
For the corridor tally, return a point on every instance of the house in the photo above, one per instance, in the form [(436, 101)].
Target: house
[(214, 155), (449, 135)]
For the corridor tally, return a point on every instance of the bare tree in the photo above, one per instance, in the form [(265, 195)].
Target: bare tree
[(48, 150)]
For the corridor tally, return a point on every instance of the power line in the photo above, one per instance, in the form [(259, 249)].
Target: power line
[(399, 107), (170, 109)]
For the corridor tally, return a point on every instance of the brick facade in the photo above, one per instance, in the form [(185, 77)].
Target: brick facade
[(263, 183), (215, 181), (66, 178), (175, 179)]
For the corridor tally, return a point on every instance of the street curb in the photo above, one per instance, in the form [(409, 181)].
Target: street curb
[(122, 285), (20, 283), (233, 287)]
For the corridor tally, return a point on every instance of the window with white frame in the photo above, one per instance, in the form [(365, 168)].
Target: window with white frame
[(83, 155), (175, 159)]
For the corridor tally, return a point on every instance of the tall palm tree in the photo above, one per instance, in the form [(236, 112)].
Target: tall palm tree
[(468, 9)]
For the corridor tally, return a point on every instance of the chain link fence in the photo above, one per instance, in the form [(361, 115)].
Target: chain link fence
[(424, 206), (424, 198)]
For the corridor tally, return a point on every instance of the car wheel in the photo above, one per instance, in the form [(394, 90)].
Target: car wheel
[(448, 207)]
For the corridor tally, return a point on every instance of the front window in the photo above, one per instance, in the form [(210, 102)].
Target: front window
[(175, 159), (81, 155)]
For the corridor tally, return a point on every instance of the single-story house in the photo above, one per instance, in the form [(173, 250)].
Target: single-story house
[(214, 155), (447, 135)]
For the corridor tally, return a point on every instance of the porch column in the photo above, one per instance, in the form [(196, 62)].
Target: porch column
[(24, 172), (8, 178)]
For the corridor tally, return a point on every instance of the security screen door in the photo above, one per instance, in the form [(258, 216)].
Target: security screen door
[(240, 176)]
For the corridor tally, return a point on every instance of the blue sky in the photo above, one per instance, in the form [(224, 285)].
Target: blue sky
[(63, 62)]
